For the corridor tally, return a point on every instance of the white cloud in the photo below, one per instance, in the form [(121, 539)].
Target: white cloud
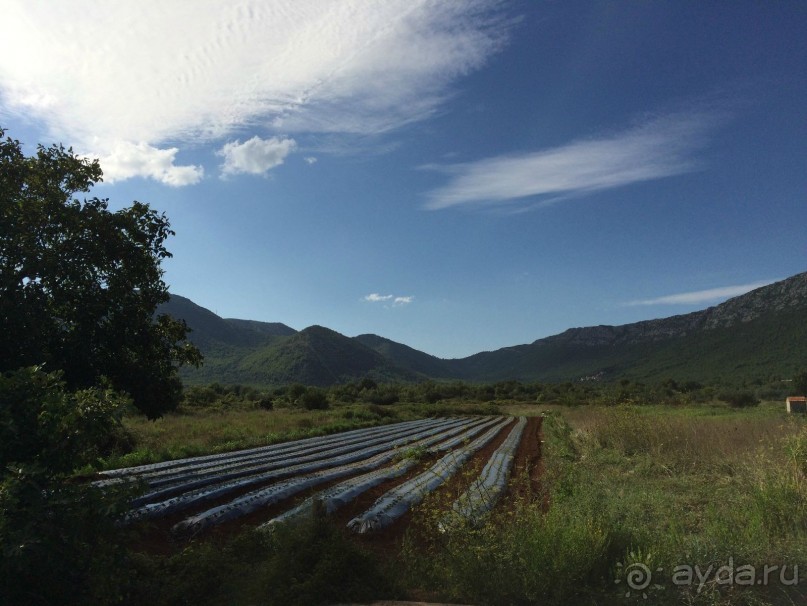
[(98, 72), (255, 156), (375, 297), (127, 160), (310, 160), (397, 301), (702, 296), (660, 148)]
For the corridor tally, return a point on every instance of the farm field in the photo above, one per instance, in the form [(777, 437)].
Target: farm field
[(396, 464), (595, 494)]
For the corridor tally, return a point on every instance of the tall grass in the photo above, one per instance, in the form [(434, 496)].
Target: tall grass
[(627, 486)]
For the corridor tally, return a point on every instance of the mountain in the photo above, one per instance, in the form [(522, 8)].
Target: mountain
[(318, 356), (404, 356), (271, 353), (209, 329), (755, 336)]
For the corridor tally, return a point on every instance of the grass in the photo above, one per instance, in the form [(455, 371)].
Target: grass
[(623, 488), (630, 487)]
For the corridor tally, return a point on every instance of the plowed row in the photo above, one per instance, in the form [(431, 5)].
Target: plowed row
[(367, 479)]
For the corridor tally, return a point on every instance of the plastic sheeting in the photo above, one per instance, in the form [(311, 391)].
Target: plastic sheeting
[(194, 497), (483, 493), (180, 466), (340, 494), (279, 491), (397, 501), (216, 475)]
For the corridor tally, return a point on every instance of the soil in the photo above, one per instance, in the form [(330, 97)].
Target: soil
[(524, 483)]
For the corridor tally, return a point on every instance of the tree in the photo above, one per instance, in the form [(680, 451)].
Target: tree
[(80, 284)]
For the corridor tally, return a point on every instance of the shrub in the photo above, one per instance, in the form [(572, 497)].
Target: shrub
[(313, 399), (384, 395), (59, 540), (307, 563), (739, 399)]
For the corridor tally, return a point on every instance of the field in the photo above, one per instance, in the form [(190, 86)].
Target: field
[(400, 462), (700, 504)]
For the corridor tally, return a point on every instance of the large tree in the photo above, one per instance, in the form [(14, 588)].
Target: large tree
[(79, 284)]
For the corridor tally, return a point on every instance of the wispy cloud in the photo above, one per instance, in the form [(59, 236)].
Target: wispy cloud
[(397, 301), (376, 298), (255, 156), (660, 148), (160, 74), (702, 296)]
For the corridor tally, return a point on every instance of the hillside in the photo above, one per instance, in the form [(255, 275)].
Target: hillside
[(404, 356), (755, 336), (209, 329), (318, 356)]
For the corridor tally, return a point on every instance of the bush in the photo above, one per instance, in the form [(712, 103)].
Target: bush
[(384, 395), (314, 399), (739, 399), (44, 426), (307, 563), (59, 541)]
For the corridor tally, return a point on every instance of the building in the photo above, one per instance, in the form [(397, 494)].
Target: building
[(796, 404)]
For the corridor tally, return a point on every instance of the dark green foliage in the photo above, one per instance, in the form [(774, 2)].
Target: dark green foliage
[(314, 399), (58, 537), (383, 395), (44, 427), (739, 399), (79, 284), (308, 563), (225, 397), (799, 387)]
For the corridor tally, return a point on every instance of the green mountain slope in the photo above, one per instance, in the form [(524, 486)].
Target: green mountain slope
[(759, 335), (754, 336), (208, 328), (318, 356), (404, 356)]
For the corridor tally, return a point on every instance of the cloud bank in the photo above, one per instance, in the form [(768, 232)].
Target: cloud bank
[(148, 75), (702, 296), (660, 148)]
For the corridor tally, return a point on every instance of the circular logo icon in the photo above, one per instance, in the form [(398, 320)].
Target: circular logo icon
[(638, 576)]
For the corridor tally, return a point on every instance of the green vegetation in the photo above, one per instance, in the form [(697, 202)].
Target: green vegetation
[(59, 541), (80, 284), (309, 563), (633, 486)]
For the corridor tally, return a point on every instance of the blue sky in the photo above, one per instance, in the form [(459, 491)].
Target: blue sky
[(456, 176)]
